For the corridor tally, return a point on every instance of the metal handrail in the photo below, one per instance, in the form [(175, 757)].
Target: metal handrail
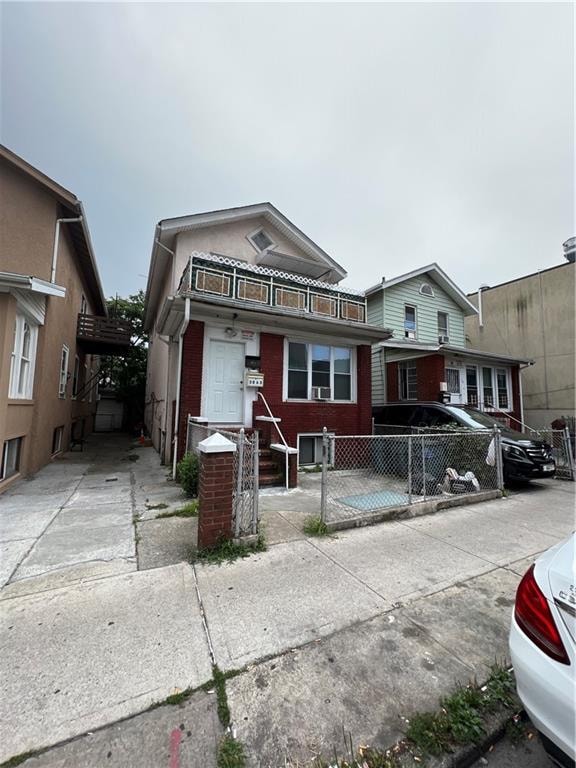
[(271, 415)]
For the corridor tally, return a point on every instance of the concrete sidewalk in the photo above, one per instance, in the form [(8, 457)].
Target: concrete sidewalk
[(348, 632)]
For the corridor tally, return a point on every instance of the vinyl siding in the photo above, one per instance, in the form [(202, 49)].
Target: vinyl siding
[(427, 308), (378, 377), (374, 312)]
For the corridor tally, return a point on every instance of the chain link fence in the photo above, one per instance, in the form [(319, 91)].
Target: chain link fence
[(245, 499), (368, 473), (562, 450)]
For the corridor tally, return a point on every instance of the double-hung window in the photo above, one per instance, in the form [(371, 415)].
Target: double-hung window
[(409, 321), (23, 358), (443, 326), (502, 388), (487, 388), (319, 371)]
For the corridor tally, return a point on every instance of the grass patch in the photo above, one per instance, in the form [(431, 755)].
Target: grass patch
[(18, 759), (188, 510), (314, 526), (226, 551), (230, 753), (157, 506), (461, 717)]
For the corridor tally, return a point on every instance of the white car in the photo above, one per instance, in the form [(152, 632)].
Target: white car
[(543, 649)]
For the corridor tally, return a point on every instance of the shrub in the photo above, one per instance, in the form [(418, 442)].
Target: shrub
[(187, 471)]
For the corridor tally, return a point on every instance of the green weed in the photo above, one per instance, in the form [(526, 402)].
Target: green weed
[(188, 510), (314, 526), (230, 753), (228, 551)]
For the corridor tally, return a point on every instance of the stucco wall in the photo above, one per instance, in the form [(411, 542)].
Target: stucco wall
[(231, 240), (27, 223), (534, 318)]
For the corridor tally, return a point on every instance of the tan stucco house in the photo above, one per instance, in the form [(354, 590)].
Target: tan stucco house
[(53, 320)]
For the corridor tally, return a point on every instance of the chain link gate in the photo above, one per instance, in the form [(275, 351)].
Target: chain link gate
[(246, 473), (364, 474), (561, 442)]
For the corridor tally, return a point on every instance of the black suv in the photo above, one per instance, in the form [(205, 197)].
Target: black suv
[(524, 457)]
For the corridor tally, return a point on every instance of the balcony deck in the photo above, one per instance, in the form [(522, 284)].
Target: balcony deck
[(222, 278), (103, 335)]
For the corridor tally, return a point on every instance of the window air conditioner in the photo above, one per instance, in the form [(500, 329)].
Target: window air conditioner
[(410, 334), (321, 393), (443, 339)]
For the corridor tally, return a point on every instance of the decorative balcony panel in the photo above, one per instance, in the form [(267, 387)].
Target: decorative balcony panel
[(103, 335), (225, 278)]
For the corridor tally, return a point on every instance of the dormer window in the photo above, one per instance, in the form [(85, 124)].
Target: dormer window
[(261, 240), (427, 290)]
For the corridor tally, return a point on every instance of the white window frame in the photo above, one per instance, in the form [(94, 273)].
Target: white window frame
[(440, 312), (57, 444), (18, 360), (315, 435), (75, 377), (401, 366), (5, 448), (422, 292), (250, 237), (63, 378), (332, 346), (415, 308), (494, 379)]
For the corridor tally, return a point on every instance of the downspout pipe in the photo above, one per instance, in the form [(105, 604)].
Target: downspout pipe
[(520, 392), (183, 329), (76, 220)]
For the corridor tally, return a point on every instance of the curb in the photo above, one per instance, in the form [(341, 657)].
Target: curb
[(466, 755)]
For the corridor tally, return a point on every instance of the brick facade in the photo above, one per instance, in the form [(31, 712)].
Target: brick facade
[(344, 419), (191, 386), (429, 374)]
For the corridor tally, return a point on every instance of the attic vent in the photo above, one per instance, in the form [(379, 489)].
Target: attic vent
[(426, 289), (260, 240)]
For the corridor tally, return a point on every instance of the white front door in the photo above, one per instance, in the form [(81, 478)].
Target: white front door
[(225, 382)]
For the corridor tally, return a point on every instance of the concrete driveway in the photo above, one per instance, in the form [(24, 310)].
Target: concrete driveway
[(72, 521)]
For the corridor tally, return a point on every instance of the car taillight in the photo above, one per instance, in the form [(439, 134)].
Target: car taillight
[(533, 616)]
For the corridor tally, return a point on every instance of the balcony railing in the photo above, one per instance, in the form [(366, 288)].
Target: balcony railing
[(224, 278), (103, 335)]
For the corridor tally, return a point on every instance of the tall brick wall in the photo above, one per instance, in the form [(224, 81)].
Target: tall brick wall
[(191, 384), (351, 419)]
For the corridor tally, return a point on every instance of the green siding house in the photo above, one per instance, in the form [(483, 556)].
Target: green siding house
[(427, 357)]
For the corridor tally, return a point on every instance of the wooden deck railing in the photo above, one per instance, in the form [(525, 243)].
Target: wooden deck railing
[(103, 330)]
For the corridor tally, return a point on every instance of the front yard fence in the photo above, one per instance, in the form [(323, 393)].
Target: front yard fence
[(364, 474), (245, 498)]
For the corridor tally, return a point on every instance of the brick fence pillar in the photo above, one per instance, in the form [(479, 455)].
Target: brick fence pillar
[(215, 490)]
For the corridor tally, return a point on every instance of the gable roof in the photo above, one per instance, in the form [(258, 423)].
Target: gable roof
[(167, 229), (439, 276), (78, 231)]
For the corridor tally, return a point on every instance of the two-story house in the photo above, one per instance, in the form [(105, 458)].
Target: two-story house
[(53, 324), (427, 357), (242, 291)]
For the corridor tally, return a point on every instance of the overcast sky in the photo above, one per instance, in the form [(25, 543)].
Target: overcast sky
[(393, 135)]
